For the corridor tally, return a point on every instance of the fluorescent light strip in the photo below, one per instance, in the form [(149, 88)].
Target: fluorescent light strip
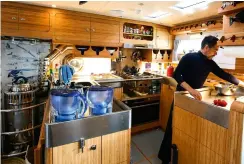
[(186, 5), (157, 15)]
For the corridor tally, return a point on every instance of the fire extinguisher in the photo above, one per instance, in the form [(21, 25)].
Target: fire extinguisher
[(170, 71)]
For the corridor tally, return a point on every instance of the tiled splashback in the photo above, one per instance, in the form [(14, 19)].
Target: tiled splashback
[(21, 59)]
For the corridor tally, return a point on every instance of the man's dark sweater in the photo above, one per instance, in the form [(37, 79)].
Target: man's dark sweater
[(194, 68)]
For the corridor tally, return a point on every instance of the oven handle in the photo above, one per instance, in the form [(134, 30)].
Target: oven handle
[(139, 106)]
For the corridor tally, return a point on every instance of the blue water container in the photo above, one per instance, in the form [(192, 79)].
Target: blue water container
[(100, 99)]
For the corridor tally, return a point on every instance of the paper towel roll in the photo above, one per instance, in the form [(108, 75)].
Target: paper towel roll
[(233, 51)]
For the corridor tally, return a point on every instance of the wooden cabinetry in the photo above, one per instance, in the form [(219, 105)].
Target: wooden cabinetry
[(137, 31), (22, 20), (85, 30), (116, 147), (113, 148), (199, 140), (166, 100), (118, 93), (25, 22), (31, 20), (72, 153), (163, 39), (104, 31), (71, 29), (10, 18)]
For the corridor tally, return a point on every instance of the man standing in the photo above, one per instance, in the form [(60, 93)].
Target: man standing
[(190, 74)]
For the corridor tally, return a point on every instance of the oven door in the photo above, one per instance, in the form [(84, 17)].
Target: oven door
[(144, 110)]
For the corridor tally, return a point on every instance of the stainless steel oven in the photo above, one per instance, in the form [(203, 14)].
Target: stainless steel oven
[(144, 110)]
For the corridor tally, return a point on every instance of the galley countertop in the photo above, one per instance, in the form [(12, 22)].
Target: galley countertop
[(205, 108)]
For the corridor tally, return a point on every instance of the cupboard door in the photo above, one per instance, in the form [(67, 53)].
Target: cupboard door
[(34, 20), (72, 153), (105, 31), (116, 147), (9, 18), (71, 28), (162, 38), (166, 100), (118, 93)]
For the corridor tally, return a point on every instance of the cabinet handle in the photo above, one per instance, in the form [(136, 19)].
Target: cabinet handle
[(87, 29), (93, 147), (93, 30), (82, 144), (13, 18), (22, 19)]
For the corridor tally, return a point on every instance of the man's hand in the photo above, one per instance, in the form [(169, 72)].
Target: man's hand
[(241, 84), (197, 95)]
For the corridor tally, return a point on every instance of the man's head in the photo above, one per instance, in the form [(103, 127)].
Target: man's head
[(209, 46)]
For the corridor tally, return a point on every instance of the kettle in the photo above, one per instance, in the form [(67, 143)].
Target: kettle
[(170, 71)]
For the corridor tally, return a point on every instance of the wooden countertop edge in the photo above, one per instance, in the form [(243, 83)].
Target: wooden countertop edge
[(37, 151), (237, 106)]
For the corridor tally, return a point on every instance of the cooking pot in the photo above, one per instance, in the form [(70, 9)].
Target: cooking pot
[(20, 87), (225, 89)]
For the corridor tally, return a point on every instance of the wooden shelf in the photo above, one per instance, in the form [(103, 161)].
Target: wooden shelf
[(139, 97), (231, 9), (137, 34)]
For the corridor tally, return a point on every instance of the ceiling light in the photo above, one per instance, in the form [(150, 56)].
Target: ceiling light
[(117, 12), (54, 6), (157, 15), (183, 6), (138, 11)]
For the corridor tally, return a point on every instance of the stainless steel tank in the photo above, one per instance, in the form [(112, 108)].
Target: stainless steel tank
[(18, 119)]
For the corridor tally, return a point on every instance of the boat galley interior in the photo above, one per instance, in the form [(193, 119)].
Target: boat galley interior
[(122, 82)]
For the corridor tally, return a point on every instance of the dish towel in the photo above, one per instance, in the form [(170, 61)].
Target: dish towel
[(65, 74)]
